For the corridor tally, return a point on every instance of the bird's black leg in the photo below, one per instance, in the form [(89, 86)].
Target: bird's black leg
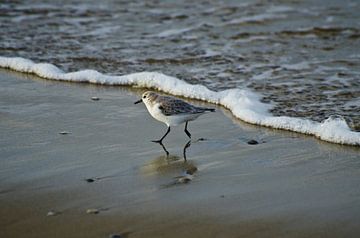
[(187, 145), (186, 130), (160, 141), (164, 148)]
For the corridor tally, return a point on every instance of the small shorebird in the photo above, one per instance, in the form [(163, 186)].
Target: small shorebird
[(171, 111)]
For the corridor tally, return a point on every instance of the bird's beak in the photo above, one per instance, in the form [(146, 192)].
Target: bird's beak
[(138, 101)]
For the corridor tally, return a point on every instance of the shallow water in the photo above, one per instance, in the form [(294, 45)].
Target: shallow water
[(303, 56)]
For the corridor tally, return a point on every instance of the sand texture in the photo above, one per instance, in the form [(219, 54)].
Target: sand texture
[(76, 160)]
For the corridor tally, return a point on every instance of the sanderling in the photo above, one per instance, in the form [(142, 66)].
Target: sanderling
[(171, 111)]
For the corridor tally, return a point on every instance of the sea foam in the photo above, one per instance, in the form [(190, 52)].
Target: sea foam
[(243, 103)]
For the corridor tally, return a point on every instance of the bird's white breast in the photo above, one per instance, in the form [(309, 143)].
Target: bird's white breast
[(156, 113)]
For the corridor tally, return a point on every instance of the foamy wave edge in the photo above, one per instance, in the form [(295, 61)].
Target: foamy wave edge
[(243, 103)]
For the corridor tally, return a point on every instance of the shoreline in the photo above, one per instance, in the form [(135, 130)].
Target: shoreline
[(244, 104)]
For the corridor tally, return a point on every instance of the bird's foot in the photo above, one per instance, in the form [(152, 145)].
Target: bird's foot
[(157, 141)]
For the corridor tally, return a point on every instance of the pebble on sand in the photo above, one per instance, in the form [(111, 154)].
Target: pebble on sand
[(90, 180), (95, 98), (191, 170), (253, 142), (115, 236), (64, 132)]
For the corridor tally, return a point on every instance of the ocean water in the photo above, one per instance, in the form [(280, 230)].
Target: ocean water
[(292, 65)]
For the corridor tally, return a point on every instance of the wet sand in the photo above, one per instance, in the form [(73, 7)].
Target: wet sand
[(54, 137)]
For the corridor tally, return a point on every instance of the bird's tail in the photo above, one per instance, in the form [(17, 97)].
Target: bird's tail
[(210, 109)]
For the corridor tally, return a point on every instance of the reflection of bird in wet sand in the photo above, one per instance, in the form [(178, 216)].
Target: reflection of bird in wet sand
[(167, 163), (171, 111), (187, 145)]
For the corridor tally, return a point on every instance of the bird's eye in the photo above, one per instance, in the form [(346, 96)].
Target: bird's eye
[(144, 96)]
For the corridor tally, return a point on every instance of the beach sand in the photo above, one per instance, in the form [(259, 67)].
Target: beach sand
[(72, 166)]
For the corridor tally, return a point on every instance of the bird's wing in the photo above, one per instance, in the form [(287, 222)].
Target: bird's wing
[(172, 106)]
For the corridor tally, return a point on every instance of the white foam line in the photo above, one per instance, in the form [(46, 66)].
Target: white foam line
[(243, 103)]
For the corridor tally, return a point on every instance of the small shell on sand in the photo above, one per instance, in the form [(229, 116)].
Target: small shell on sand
[(185, 179), (92, 211), (52, 213)]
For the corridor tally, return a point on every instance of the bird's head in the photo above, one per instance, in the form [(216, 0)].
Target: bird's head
[(147, 97)]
